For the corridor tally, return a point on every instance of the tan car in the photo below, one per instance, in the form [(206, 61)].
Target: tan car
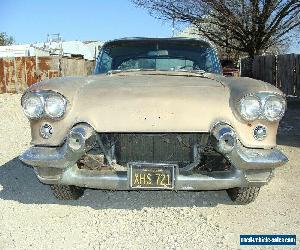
[(157, 115)]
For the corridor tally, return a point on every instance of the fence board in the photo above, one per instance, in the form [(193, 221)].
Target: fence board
[(30, 68), (73, 67), (270, 69), (2, 80), (263, 68), (283, 71), (47, 67), (246, 67), (9, 76), (286, 72), (297, 75), (20, 73), (16, 74), (90, 66)]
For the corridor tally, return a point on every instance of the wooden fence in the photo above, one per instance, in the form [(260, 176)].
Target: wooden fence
[(17, 74), (283, 71)]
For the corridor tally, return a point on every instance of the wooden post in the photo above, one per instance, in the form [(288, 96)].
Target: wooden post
[(15, 76), (25, 70), (4, 73)]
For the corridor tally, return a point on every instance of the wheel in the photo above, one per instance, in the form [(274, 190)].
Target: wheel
[(63, 192), (243, 196)]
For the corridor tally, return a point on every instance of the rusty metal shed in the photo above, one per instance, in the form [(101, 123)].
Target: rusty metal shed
[(18, 73)]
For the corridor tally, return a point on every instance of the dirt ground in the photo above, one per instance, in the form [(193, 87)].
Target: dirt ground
[(30, 218)]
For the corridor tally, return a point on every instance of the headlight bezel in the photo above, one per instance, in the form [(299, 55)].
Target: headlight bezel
[(25, 98), (64, 103), (44, 95), (257, 116), (263, 97), (281, 114)]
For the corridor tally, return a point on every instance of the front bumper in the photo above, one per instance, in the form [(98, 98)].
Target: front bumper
[(250, 158), (252, 167)]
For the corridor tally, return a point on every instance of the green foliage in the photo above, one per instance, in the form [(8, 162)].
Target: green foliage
[(5, 39)]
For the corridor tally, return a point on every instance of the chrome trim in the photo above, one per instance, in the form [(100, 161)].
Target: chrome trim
[(219, 132), (65, 159), (120, 180), (250, 158), (61, 157), (261, 161), (263, 98), (282, 100), (27, 95), (46, 124), (55, 94), (255, 130), (43, 95), (260, 106), (64, 156)]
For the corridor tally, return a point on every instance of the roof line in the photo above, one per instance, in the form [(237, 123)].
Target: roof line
[(157, 38)]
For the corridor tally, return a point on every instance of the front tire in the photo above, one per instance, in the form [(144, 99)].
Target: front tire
[(63, 192), (243, 196)]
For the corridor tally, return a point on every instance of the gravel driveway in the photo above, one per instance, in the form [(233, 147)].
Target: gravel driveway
[(30, 218)]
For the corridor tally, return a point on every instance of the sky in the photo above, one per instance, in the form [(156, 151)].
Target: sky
[(30, 21)]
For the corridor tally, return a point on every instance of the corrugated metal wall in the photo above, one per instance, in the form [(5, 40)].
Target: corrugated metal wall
[(17, 74)]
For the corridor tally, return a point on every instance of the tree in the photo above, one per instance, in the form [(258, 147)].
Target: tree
[(247, 26), (5, 39)]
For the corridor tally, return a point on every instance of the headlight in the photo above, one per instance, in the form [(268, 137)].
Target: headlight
[(55, 106), (250, 108), (274, 108), (44, 103), (33, 106)]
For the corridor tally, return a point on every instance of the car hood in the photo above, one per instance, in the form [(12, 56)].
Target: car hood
[(71, 86), (148, 102)]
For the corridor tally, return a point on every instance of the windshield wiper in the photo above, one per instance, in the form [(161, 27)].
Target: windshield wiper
[(192, 71), (196, 71), (116, 71)]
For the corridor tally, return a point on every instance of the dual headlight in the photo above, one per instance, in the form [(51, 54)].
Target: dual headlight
[(49, 104), (262, 106)]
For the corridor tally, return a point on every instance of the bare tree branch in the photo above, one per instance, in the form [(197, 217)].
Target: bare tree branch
[(248, 26)]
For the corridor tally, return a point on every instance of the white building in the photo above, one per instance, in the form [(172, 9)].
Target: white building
[(86, 49), (21, 50)]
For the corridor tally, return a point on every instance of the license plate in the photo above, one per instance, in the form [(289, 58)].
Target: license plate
[(151, 176)]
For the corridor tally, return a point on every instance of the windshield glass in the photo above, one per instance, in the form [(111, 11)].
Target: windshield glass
[(169, 55)]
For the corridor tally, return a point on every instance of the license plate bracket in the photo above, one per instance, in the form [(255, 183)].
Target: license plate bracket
[(151, 176)]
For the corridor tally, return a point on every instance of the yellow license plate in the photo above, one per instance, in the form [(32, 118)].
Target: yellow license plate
[(151, 176)]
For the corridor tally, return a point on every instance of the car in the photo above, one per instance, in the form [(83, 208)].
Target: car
[(229, 68), (156, 115)]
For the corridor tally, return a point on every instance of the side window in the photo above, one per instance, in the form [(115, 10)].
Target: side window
[(209, 65), (212, 62), (104, 63)]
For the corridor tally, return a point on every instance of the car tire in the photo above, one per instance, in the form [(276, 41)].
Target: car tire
[(63, 192), (243, 196)]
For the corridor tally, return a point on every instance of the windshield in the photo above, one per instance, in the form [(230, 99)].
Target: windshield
[(170, 55)]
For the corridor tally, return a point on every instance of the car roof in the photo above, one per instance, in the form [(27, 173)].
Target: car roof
[(151, 39)]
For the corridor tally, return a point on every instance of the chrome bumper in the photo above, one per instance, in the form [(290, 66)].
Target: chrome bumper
[(120, 181), (252, 167), (249, 158), (58, 166)]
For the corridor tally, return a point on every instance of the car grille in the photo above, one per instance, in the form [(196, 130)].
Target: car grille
[(154, 147)]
